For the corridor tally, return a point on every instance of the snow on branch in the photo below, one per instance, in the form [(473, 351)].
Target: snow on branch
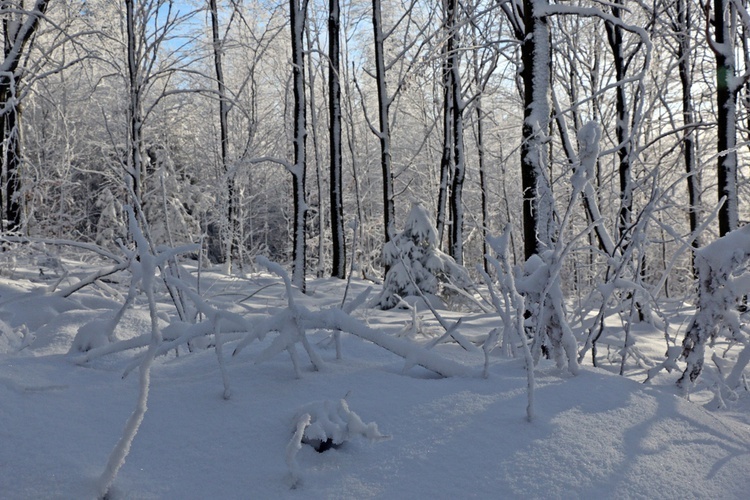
[(724, 279), (511, 311), (292, 323)]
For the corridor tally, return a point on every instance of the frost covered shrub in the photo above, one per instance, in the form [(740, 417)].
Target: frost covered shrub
[(416, 264), (724, 280), (325, 425)]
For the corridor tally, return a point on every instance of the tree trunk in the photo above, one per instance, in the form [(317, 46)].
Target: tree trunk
[(726, 100), (459, 169), (483, 184), (298, 15), (535, 57), (134, 167), (17, 31), (334, 104), (231, 233), (614, 36), (684, 53), (12, 159), (389, 210), (446, 159), (311, 75)]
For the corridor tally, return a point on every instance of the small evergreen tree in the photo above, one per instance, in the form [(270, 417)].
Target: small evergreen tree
[(415, 264)]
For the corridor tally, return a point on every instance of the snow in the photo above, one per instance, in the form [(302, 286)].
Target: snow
[(595, 435)]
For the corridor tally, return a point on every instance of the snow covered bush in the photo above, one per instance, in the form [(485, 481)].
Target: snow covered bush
[(724, 280), (325, 425), (416, 267)]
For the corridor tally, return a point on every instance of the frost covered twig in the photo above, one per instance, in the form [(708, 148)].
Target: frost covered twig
[(511, 312), (295, 444)]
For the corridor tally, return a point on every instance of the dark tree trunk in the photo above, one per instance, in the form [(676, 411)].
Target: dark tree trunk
[(17, 32), (446, 158), (615, 38), (535, 60), (334, 97), (459, 170), (389, 210), (135, 118), (684, 56), (298, 15), (726, 99), (231, 236), (12, 158), (483, 184)]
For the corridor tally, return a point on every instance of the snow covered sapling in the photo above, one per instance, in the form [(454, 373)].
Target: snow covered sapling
[(325, 425), (539, 281), (511, 311), (416, 264), (143, 270), (723, 281)]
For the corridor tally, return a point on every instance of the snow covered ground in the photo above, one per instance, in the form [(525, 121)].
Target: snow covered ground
[(595, 435)]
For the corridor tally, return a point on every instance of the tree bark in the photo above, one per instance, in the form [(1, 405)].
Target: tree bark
[(455, 246), (446, 159), (684, 56), (17, 32), (10, 124), (535, 57), (231, 236), (622, 128), (726, 101), (134, 168), (298, 16), (389, 210), (334, 98)]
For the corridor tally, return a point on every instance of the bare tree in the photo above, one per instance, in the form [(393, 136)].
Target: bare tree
[(446, 159), (298, 18), (19, 27), (456, 239), (727, 88), (334, 107), (384, 133), (231, 224), (683, 28), (535, 56)]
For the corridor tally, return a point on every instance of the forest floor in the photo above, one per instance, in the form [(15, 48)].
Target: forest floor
[(594, 435)]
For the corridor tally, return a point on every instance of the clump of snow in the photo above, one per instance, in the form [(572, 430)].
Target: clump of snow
[(417, 267), (324, 425), (539, 282), (96, 333), (14, 339), (588, 152), (332, 423)]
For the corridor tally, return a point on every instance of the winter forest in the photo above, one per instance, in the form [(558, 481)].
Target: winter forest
[(511, 232)]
